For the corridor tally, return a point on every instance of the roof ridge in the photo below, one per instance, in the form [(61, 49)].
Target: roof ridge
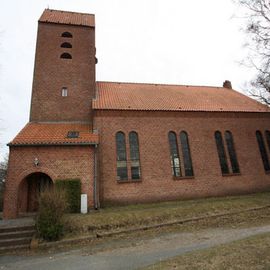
[(163, 84), (72, 12)]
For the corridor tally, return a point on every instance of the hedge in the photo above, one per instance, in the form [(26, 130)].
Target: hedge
[(72, 188)]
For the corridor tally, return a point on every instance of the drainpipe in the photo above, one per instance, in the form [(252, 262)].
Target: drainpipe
[(96, 193)]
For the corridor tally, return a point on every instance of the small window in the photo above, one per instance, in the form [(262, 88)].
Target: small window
[(134, 155), (66, 35), (64, 92), (121, 162), (263, 151), (66, 45), (73, 134), (66, 56)]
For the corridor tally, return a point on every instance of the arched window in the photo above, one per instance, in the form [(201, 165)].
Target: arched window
[(231, 151), (66, 56), (134, 155), (221, 153), (122, 173), (267, 135), (66, 35), (66, 45), (263, 151), (186, 153), (175, 161)]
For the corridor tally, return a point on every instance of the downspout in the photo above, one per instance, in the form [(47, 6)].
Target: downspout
[(96, 190)]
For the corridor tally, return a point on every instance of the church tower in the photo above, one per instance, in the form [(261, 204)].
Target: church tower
[(64, 73)]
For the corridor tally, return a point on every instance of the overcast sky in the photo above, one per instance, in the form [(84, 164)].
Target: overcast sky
[(161, 41)]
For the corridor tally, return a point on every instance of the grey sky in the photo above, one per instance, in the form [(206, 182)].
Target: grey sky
[(161, 41)]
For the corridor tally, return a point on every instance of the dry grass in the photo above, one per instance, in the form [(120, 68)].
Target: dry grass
[(113, 218), (250, 253)]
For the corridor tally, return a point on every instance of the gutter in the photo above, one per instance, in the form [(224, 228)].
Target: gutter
[(96, 188)]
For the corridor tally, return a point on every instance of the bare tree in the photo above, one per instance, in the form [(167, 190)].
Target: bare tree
[(258, 42)]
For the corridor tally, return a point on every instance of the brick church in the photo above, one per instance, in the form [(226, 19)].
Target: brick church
[(129, 142)]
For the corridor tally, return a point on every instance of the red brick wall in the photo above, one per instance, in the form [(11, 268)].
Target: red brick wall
[(157, 182), (51, 74), (58, 162)]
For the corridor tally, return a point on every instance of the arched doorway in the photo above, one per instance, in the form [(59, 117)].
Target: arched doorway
[(30, 189)]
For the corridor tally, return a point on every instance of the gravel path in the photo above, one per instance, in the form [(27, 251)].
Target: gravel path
[(130, 254)]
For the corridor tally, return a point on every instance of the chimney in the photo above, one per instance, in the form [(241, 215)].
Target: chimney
[(227, 84)]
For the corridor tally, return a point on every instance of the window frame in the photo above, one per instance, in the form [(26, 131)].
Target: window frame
[(66, 55), (134, 160), (174, 155), (66, 34), (263, 151), (186, 154), (66, 45), (119, 160)]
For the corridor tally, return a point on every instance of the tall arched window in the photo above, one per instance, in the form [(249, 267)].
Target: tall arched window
[(66, 35), (231, 151), (267, 135), (134, 155), (175, 161), (66, 56), (66, 45), (186, 154), (263, 151), (122, 173), (221, 153)]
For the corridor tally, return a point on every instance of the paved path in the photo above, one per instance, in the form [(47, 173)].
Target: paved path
[(116, 255)]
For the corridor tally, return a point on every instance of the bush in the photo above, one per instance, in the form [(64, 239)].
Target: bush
[(72, 188), (52, 206)]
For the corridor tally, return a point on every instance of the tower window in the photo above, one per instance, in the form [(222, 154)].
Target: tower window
[(66, 45), (66, 56), (64, 92), (66, 34)]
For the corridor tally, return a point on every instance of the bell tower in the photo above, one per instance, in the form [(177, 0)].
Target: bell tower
[(64, 72)]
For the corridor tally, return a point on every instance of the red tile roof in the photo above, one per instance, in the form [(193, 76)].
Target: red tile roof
[(161, 97), (67, 17), (54, 134)]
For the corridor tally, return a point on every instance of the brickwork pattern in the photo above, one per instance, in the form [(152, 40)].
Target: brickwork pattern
[(58, 162), (157, 182)]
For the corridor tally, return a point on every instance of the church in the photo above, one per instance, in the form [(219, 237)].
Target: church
[(129, 142)]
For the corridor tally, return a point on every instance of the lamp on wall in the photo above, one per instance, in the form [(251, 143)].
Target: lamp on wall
[(36, 161)]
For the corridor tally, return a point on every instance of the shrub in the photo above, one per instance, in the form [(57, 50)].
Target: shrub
[(72, 188), (52, 206)]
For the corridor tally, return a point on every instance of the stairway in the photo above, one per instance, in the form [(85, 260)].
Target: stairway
[(15, 235)]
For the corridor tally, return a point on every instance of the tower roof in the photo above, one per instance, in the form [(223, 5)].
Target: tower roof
[(67, 17)]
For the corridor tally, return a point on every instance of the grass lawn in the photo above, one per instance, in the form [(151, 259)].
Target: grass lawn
[(113, 218), (250, 253)]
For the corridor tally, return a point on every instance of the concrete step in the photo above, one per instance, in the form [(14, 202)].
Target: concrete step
[(16, 228), (17, 234), (13, 248), (15, 242)]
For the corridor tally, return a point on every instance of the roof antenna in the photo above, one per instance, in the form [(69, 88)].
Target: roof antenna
[(48, 6)]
